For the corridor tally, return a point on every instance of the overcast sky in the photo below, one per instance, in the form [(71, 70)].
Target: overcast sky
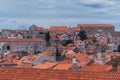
[(23, 13)]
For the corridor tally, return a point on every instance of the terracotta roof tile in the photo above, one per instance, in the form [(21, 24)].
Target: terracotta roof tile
[(14, 31), (79, 57), (66, 61), (76, 28), (22, 40), (109, 51), (91, 48), (95, 25), (7, 62), (39, 28), (115, 34), (11, 54), (118, 68), (91, 35), (60, 33), (58, 28), (97, 67), (47, 52), (60, 46), (38, 74), (82, 63), (19, 62), (62, 66), (45, 65)]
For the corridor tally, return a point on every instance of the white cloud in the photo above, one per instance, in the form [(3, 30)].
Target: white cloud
[(37, 3), (96, 3), (100, 11), (98, 6), (57, 12), (3, 20)]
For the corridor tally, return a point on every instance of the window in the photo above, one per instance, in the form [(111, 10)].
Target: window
[(90, 29), (115, 38), (8, 47), (115, 42)]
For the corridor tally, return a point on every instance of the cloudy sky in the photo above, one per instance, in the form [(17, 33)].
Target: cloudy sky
[(23, 13)]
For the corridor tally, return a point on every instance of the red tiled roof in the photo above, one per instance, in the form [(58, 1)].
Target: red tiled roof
[(115, 34), (11, 54), (19, 62), (38, 74), (7, 62), (80, 57), (72, 28), (95, 25), (8, 30), (23, 31), (91, 35), (39, 28), (76, 28), (82, 63), (90, 48), (45, 65), (109, 51), (51, 47), (58, 28), (63, 66), (47, 53), (22, 40), (60, 46), (66, 61), (14, 31), (118, 68), (96, 67)]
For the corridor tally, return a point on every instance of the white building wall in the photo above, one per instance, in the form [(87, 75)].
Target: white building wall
[(116, 42), (43, 58), (90, 30), (23, 46)]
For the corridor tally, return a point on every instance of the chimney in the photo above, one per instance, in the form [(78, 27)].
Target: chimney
[(114, 66), (112, 57), (99, 55), (74, 60)]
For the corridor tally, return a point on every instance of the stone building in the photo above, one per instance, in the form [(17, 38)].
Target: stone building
[(91, 28), (22, 44)]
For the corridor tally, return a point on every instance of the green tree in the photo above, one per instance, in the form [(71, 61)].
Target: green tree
[(47, 38), (66, 42), (82, 35), (94, 39), (58, 55), (118, 49), (69, 41), (41, 33), (36, 52)]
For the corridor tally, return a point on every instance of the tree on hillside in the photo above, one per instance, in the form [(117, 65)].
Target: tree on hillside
[(94, 39), (82, 35), (69, 41), (118, 49), (66, 42), (58, 55), (47, 38), (41, 33)]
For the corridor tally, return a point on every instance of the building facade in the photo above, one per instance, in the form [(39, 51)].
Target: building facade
[(115, 40), (91, 28), (22, 44)]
